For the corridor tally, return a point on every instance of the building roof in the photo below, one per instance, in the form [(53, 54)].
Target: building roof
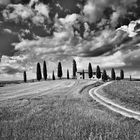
[(85, 71)]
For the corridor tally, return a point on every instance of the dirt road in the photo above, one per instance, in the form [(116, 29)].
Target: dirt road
[(94, 93)]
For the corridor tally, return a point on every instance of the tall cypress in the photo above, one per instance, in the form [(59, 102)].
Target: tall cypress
[(59, 73), (45, 70), (68, 77), (130, 78), (113, 75), (90, 73), (98, 72), (53, 76), (104, 76), (122, 74), (38, 73), (25, 76), (74, 68), (83, 74)]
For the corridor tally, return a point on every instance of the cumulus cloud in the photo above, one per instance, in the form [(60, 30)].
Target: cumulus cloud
[(91, 11), (42, 9), (96, 10), (7, 37), (9, 65), (65, 43), (119, 12), (20, 12), (24, 13), (130, 29)]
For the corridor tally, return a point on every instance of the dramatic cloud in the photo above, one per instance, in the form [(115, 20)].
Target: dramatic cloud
[(96, 10), (65, 43), (131, 28), (105, 32), (11, 65), (6, 40), (24, 13)]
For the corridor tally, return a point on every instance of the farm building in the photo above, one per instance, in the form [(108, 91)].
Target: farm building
[(80, 74)]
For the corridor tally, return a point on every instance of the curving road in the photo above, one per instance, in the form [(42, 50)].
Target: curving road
[(94, 93)]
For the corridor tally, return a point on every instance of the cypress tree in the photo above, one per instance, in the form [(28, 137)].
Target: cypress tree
[(113, 75), (59, 73), (68, 77), (104, 76), (130, 78), (53, 76), (25, 76), (122, 74), (74, 68), (83, 73), (38, 73), (98, 72), (45, 70), (90, 73)]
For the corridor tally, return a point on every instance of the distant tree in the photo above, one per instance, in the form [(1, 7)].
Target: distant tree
[(25, 76), (98, 72), (113, 75), (74, 68), (83, 74), (122, 74), (118, 78), (130, 78), (68, 77), (45, 70), (59, 73), (90, 72), (53, 76), (38, 73), (104, 76)]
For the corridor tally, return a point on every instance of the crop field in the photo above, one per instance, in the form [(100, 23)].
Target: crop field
[(60, 110), (126, 93)]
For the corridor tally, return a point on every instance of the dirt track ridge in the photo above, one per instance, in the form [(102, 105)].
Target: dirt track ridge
[(94, 93)]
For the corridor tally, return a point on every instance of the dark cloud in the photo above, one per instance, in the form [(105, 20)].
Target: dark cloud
[(107, 48), (20, 1), (6, 40), (4, 2), (10, 70)]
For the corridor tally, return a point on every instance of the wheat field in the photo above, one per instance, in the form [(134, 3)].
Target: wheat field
[(60, 110)]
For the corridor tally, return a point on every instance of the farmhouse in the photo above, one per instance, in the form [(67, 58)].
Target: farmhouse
[(80, 74)]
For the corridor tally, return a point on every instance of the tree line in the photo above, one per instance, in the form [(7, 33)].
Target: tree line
[(99, 75)]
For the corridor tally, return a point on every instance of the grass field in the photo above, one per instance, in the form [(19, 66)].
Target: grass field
[(126, 93), (60, 110)]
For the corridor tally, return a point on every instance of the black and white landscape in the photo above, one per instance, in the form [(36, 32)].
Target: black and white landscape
[(69, 69)]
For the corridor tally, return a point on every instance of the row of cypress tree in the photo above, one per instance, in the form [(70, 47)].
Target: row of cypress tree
[(59, 72), (104, 75), (99, 74)]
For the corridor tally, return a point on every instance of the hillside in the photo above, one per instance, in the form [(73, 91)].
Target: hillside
[(59, 110)]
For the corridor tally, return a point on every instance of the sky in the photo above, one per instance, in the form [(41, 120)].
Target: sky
[(103, 32)]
